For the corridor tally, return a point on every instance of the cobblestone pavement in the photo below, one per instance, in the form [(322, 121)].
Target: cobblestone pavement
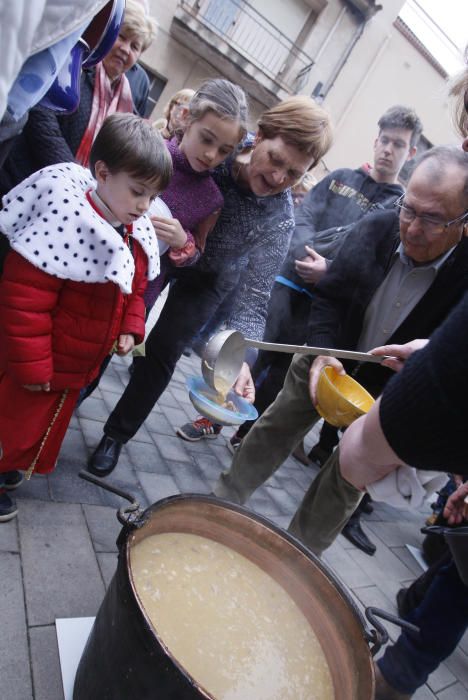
[(58, 556)]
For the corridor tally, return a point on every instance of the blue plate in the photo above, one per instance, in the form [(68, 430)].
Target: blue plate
[(204, 400)]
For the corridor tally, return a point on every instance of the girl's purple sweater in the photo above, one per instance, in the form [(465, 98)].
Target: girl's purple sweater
[(191, 197)]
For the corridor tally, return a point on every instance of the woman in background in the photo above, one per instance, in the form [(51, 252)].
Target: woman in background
[(172, 121)]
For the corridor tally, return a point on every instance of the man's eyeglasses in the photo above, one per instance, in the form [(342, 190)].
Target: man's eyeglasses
[(431, 224)]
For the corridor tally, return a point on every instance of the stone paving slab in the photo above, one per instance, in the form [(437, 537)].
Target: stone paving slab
[(157, 487), (189, 478), (108, 565), (61, 576), (441, 679), (45, 663), (146, 457), (408, 560), (424, 693), (9, 537), (458, 665), (103, 527), (454, 692), (14, 655)]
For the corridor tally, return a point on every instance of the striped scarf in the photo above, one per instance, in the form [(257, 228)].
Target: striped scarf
[(107, 99)]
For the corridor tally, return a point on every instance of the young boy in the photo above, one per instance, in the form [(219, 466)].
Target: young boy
[(72, 286)]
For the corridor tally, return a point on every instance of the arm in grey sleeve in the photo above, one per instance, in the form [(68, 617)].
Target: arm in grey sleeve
[(265, 260)]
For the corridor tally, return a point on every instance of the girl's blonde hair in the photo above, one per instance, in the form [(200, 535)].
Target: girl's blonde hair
[(300, 122), (459, 90), (223, 98), (138, 23), (180, 97)]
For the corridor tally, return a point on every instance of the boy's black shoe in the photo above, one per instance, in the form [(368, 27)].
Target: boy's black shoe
[(8, 509)]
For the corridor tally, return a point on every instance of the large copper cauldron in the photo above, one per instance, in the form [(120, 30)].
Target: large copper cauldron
[(126, 660)]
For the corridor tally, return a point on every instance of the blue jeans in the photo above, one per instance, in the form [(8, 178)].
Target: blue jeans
[(442, 618)]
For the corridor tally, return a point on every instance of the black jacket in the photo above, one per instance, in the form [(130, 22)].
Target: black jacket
[(423, 407), (336, 202), (343, 295)]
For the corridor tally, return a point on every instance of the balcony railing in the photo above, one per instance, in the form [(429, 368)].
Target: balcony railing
[(254, 37)]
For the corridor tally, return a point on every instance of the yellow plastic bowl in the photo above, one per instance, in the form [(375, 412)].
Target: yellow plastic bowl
[(340, 399)]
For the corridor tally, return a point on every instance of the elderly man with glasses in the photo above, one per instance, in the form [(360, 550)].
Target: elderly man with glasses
[(397, 277)]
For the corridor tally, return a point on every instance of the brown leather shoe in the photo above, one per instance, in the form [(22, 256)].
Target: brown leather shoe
[(384, 691)]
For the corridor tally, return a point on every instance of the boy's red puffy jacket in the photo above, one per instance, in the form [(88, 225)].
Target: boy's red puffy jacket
[(59, 331)]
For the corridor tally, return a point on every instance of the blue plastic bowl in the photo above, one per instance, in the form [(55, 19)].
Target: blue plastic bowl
[(204, 400)]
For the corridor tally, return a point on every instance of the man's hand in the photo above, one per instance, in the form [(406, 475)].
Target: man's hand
[(399, 353), (170, 231), (456, 509), (318, 364), (125, 344), (244, 385), (311, 268), (37, 387)]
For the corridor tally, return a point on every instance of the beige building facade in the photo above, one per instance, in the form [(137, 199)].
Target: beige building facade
[(355, 56)]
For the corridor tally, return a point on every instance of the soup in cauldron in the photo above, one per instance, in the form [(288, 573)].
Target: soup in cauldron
[(229, 624)]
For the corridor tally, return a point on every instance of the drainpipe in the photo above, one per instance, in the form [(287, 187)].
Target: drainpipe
[(364, 19)]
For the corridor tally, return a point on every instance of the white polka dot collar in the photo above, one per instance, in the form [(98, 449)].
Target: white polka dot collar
[(50, 222)]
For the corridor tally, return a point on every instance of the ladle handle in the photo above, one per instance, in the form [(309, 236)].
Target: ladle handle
[(310, 350)]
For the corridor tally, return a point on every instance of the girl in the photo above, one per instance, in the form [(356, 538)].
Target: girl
[(213, 123), (72, 286), (170, 124)]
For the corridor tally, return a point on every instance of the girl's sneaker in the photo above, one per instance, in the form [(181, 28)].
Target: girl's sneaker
[(8, 509), (199, 429)]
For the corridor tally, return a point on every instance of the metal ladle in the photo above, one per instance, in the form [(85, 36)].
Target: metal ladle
[(224, 355)]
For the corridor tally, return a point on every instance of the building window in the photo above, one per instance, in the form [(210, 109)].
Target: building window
[(157, 85), (405, 173)]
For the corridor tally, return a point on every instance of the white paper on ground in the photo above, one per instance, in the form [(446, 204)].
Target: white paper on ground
[(417, 554), (72, 635)]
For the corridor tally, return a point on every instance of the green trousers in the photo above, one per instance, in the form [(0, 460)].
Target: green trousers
[(330, 500)]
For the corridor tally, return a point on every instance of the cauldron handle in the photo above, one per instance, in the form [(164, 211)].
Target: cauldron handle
[(379, 636), (129, 516)]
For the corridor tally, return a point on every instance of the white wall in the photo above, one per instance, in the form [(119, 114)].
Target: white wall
[(383, 69)]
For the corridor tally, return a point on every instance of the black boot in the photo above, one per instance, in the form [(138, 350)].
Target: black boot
[(365, 505), (355, 534), (105, 457)]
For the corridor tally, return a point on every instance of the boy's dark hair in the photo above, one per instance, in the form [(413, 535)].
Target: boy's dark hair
[(128, 143), (400, 117)]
